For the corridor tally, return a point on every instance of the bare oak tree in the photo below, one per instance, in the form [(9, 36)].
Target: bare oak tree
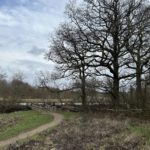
[(67, 50), (104, 26)]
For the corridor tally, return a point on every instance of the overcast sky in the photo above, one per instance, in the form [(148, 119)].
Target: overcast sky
[(25, 27)]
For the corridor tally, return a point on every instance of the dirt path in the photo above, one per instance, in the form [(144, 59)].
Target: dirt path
[(57, 120)]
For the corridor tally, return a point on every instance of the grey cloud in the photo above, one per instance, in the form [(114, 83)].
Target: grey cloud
[(35, 51), (34, 65), (25, 30)]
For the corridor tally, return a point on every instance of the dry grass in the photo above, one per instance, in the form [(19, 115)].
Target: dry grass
[(89, 132), (8, 121)]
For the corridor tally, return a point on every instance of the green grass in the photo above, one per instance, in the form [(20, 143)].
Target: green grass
[(67, 115), (29, 120), (142, 130)]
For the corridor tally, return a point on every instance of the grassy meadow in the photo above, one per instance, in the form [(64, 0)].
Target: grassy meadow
[(17, 122)]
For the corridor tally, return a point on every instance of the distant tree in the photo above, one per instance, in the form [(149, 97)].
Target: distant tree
[(4, 87), (18, 76), (46, 81), (92, 88), (19, 88)]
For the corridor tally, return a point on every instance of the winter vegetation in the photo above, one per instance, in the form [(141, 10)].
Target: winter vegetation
[(106, 42), (100, 82)]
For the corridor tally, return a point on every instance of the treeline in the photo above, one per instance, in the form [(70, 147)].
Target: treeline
[(108, 41), (17, 89)]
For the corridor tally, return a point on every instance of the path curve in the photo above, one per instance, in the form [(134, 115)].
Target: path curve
[(57, 120)]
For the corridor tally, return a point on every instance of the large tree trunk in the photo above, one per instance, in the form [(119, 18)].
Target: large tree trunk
[(116, 84), (84, 103), (138, 81), (115, 54), (116, 93), (138, 88)]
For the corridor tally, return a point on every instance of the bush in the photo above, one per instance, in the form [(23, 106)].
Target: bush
[(8, 107)]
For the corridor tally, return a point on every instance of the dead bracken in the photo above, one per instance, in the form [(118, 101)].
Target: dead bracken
[(87, 133)]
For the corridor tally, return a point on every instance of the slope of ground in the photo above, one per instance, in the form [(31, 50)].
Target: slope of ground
[(89, 132), (57, 120), (17, 122)]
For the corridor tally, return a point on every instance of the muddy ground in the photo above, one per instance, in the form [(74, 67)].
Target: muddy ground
[(88, 132)]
